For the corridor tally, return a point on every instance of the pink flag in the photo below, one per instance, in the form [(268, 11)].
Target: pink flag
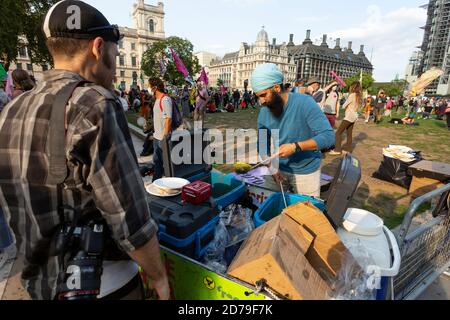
[(204, 77), (338, 79), (179, 64)]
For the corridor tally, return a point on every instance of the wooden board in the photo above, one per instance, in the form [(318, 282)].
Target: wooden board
[(431, 169)]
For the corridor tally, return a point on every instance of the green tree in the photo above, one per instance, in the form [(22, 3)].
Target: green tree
[(397, 87), (392, 89), (367, 80), (219, 83), (21, 25), (158, 50)]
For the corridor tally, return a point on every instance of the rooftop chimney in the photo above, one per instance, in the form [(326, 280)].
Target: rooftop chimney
[(274, 42), (338, 44), (349, 46), (308, 37), (324, 41), (361, 49), (291, 40)]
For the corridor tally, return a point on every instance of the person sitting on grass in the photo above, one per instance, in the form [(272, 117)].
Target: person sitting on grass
[(427, 110), (409, 119)]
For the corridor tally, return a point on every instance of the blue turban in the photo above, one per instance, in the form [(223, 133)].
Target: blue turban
[(266, 76)]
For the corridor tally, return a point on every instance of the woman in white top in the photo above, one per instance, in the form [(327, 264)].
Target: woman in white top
[(351, 107)]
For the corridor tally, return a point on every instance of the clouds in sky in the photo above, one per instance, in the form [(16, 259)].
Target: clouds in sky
[(392, 35)]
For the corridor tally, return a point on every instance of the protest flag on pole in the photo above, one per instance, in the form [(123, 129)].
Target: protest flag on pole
[(204, 77), (179, 64), (338, 79)]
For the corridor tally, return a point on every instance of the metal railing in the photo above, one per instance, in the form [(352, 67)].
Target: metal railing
[(425, 251)]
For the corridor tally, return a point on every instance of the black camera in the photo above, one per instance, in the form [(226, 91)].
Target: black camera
[(81, 249)]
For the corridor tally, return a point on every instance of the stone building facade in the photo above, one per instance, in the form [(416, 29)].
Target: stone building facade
[(319, 60), (236, 67)]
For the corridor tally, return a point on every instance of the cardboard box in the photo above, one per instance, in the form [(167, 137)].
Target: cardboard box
[(327, 252), (276, 252), (299, 254)]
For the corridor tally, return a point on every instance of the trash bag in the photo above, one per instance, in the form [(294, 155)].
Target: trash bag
[(357, 279), (239, 223), (396, 171), (234, 227), (214, 256)]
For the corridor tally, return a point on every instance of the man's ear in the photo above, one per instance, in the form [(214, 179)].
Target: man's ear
[(277, 88), (98, 46)]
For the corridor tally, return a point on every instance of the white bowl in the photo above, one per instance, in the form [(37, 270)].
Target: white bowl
[(171, 183)]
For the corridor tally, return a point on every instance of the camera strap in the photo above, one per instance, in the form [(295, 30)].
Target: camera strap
[(57, 135), (57, 156)]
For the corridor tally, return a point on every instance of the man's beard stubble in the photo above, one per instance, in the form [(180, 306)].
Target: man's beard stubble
[(108, 77), (276, 106)]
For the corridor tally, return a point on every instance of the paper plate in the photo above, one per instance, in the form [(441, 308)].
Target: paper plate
[(141, 122), (168, 184), (155, 191)]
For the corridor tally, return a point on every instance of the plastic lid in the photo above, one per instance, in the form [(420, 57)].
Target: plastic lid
[(363, 222)]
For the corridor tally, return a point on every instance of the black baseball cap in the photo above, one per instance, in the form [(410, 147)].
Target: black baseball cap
[(78, 20)]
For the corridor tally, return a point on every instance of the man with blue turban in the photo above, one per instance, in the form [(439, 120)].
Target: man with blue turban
[(302, 130)]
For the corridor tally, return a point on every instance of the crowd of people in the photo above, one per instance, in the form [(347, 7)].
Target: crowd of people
[(212, 100)]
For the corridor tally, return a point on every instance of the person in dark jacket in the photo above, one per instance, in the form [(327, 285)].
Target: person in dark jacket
[(236, 99)]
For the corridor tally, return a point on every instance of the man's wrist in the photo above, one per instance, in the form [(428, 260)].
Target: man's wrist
[(298, 147)]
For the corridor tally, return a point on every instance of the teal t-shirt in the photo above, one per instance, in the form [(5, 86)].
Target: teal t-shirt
[(301, 120)]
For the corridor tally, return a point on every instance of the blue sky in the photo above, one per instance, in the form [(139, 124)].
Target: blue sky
[(388, 27)]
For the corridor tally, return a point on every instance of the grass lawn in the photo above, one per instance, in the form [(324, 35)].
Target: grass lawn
[(431, 136), (243, 119), (132, 117)]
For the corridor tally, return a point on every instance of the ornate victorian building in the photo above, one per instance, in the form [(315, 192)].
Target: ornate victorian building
[(319, 60), (236, 67)]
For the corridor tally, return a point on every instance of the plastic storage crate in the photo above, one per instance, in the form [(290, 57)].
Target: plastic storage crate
[(274, 205), (193, 246), (226, 189)]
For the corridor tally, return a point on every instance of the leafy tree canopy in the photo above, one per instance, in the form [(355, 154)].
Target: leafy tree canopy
[(367, 80), (21, 25), (393, 89), (159, 51)]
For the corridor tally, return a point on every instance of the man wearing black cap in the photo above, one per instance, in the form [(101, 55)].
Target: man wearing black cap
[(100, 176)]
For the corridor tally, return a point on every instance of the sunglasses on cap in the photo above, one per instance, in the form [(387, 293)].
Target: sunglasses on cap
[(114, 36)]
